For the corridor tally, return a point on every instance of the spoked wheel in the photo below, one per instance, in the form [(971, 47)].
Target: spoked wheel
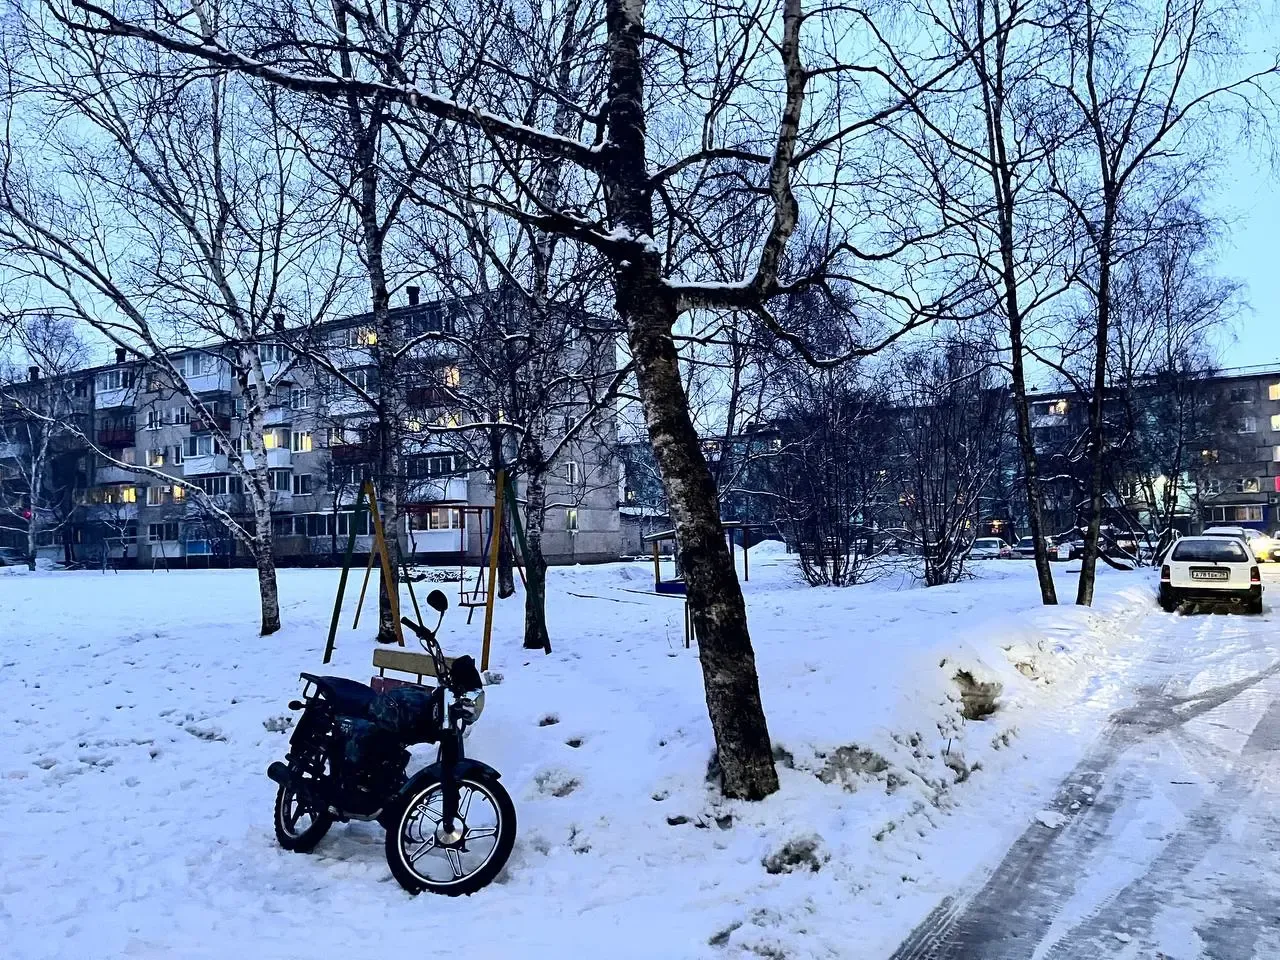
[(423, 856), (300, 821)]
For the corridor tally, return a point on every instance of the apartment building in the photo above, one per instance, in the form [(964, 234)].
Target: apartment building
[(317, 434), (1231, 474)]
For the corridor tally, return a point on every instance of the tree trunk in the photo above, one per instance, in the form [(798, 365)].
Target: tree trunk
[(536, 635), (1097, 410), (649, 310), (715, 597), (266, 563), (1031, 478)]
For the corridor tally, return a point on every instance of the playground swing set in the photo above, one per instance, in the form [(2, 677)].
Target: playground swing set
[(504, 520)]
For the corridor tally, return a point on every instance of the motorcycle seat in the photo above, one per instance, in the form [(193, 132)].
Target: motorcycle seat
[(349, 697)]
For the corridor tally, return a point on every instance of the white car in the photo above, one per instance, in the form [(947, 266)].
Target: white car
[(989, 548), (1263, 547), (1211, 569)]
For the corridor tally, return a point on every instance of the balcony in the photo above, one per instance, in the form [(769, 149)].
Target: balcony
[(423, 397), (436, 490), (114, 438), (352, 452), (277, 415), (198, 466), (205, 423), (217, 380), (117, 398), (279, 457)]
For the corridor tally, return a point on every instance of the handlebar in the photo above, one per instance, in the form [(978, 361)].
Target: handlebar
[(418, 628)]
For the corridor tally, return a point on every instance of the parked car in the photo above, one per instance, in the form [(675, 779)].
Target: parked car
[(1212, 569), (990, 548), (1026, 547), (12, 557), (1263, 547)]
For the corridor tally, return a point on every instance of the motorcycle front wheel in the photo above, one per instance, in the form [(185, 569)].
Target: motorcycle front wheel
[(422, 856)]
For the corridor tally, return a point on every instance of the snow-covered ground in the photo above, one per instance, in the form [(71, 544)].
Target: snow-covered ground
[(138, 712)]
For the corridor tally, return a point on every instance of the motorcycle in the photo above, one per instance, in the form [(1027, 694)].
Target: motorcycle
[(450, 826)]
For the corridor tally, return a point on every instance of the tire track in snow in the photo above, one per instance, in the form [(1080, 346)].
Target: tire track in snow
[(1011, 914)]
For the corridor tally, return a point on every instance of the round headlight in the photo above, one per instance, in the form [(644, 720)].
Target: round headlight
[(470, 705)]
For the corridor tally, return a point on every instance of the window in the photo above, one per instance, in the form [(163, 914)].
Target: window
[(115, 379), (1213, 486), (1248, 425), (436, 518), (571, 519), (177, 454), (200, 445), (1246, 485), (1206, 550), (362, 523), (271, 439), (1275, 454), (302, 483), (344, 474), (1247, 513), (179, 494), (452, 376), (155, 382), (364, 378), (214, 486), (282, 481), (157, 532), (299, 398), (300, 442), (155, 419), (157, 495), (155, 458), (1209, 456), (192, 365), (573, 472), (313, 524), (180, 415), (1241, 395), (417, 468), (1273, 391), (272, 352), (361, 337)]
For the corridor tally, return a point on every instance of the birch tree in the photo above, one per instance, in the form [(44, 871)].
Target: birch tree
[(151, 205)]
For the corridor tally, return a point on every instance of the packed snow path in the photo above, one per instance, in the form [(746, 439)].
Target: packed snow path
[(1165, 839)]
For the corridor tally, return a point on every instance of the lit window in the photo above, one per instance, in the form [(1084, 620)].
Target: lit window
[(452, 376), (130, 494), (571, 519), (179, 493), (155, 458), (301, 441), (1275, 422), (1059, 408), (1273, 391), (1275, 454)]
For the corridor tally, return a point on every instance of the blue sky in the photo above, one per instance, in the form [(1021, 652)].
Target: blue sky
[(1250, 194)]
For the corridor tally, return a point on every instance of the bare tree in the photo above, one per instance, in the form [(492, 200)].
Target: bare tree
[(180, 228), (1168, 309), (42, 475), (953, 420), (1142, 84)]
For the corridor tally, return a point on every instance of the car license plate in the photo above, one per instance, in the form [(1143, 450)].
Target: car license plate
[(1210, 575)]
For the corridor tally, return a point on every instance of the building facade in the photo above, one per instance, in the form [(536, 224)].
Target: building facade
[(318, 439)]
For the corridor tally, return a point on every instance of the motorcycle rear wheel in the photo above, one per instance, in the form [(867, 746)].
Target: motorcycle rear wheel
[(299, 826), (419, 862)]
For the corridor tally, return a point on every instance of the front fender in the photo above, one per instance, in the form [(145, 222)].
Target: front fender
[(431, 773)]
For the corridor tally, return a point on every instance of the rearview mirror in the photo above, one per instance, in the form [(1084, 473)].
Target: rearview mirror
[(437, 601)]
